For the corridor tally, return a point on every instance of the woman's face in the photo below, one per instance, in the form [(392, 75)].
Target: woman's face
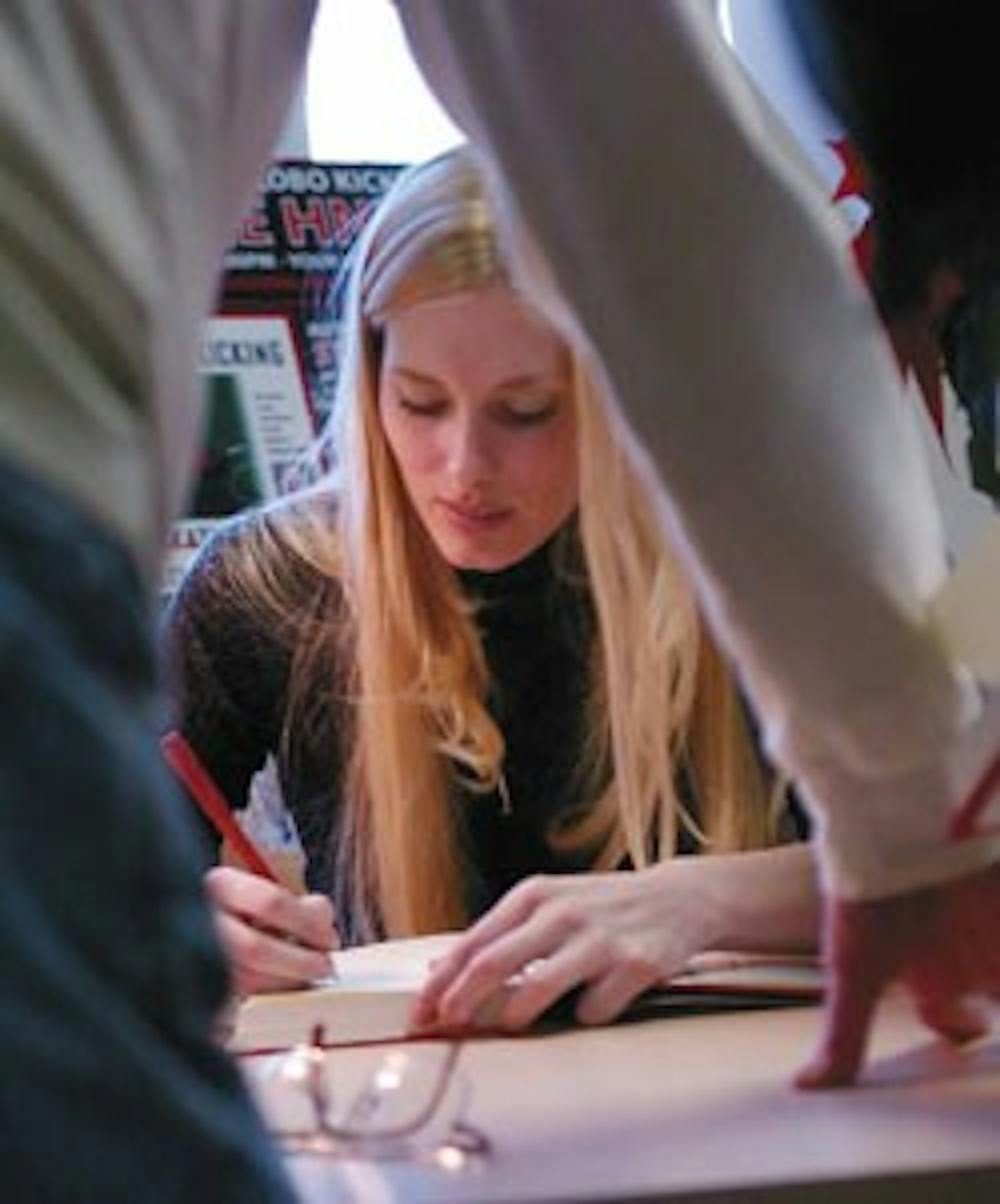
[(475, 401)]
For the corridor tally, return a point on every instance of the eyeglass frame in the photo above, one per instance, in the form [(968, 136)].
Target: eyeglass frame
[(464, 1141)]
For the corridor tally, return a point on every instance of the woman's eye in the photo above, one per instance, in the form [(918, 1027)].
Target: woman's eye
[(528, 413), (421, 407)]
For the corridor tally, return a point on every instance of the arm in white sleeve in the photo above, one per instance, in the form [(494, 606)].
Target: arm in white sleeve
[(132, 135), (711, 279)]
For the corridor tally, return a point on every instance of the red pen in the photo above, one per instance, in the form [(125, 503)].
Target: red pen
[(185, 763)]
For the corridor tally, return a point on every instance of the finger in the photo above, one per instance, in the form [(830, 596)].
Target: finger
[(956, 1020), (513, 910), (941, 985), (443, 974), (606, 999), (247, 983), (491, 967), (424, 1015), (318, 925), (544, 982), (850, 1006), (425, 1011), (266, 905), (261, 961)]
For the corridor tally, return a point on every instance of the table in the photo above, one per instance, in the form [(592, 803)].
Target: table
[(699, 1109)]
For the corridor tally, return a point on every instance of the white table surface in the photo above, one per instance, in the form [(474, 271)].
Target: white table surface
[(700, 1109)]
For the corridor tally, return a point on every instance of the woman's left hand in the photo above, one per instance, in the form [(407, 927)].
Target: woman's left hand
[(612, 934)]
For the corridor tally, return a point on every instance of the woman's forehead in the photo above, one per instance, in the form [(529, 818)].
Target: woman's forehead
[(490, 331)]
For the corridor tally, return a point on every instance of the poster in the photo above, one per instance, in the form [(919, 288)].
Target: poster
[(268, 355), (258, 423)]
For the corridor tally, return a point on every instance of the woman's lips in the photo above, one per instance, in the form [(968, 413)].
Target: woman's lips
[(474, 518)]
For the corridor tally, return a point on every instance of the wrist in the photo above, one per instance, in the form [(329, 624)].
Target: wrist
[(692, 897)]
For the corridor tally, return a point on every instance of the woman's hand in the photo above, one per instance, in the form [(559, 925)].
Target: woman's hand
[(614, 935), (274, 940)]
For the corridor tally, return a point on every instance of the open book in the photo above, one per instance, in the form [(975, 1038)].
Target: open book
[(371, 997), (721, 981)]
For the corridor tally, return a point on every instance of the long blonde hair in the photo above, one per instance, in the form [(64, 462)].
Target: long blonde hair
[(660, 696)]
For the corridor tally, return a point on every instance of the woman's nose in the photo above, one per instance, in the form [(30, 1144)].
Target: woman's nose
[(470, 455)]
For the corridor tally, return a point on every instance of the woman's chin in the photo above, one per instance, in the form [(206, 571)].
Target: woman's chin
[(477, 557)]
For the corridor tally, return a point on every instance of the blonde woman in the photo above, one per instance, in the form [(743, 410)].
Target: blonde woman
[(477, 664)]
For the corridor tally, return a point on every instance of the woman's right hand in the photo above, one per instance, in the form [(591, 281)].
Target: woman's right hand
[(274, 940)]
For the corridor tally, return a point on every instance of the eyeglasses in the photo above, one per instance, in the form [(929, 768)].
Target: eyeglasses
[(409, 1105)]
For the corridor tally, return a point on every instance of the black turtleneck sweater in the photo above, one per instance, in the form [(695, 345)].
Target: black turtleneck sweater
[(231, 680), (536, 623)]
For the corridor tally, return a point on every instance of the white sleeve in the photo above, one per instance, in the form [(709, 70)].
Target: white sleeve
[(712, 279), (131, 136)]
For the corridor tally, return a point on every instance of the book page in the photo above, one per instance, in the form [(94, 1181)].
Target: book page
[(760, 974)]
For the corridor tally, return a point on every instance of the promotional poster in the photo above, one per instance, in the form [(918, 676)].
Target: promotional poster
[(268, 355)]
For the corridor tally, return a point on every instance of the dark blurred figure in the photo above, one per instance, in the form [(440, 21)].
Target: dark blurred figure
[(131, 135), (914, 82), (915, 85)]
